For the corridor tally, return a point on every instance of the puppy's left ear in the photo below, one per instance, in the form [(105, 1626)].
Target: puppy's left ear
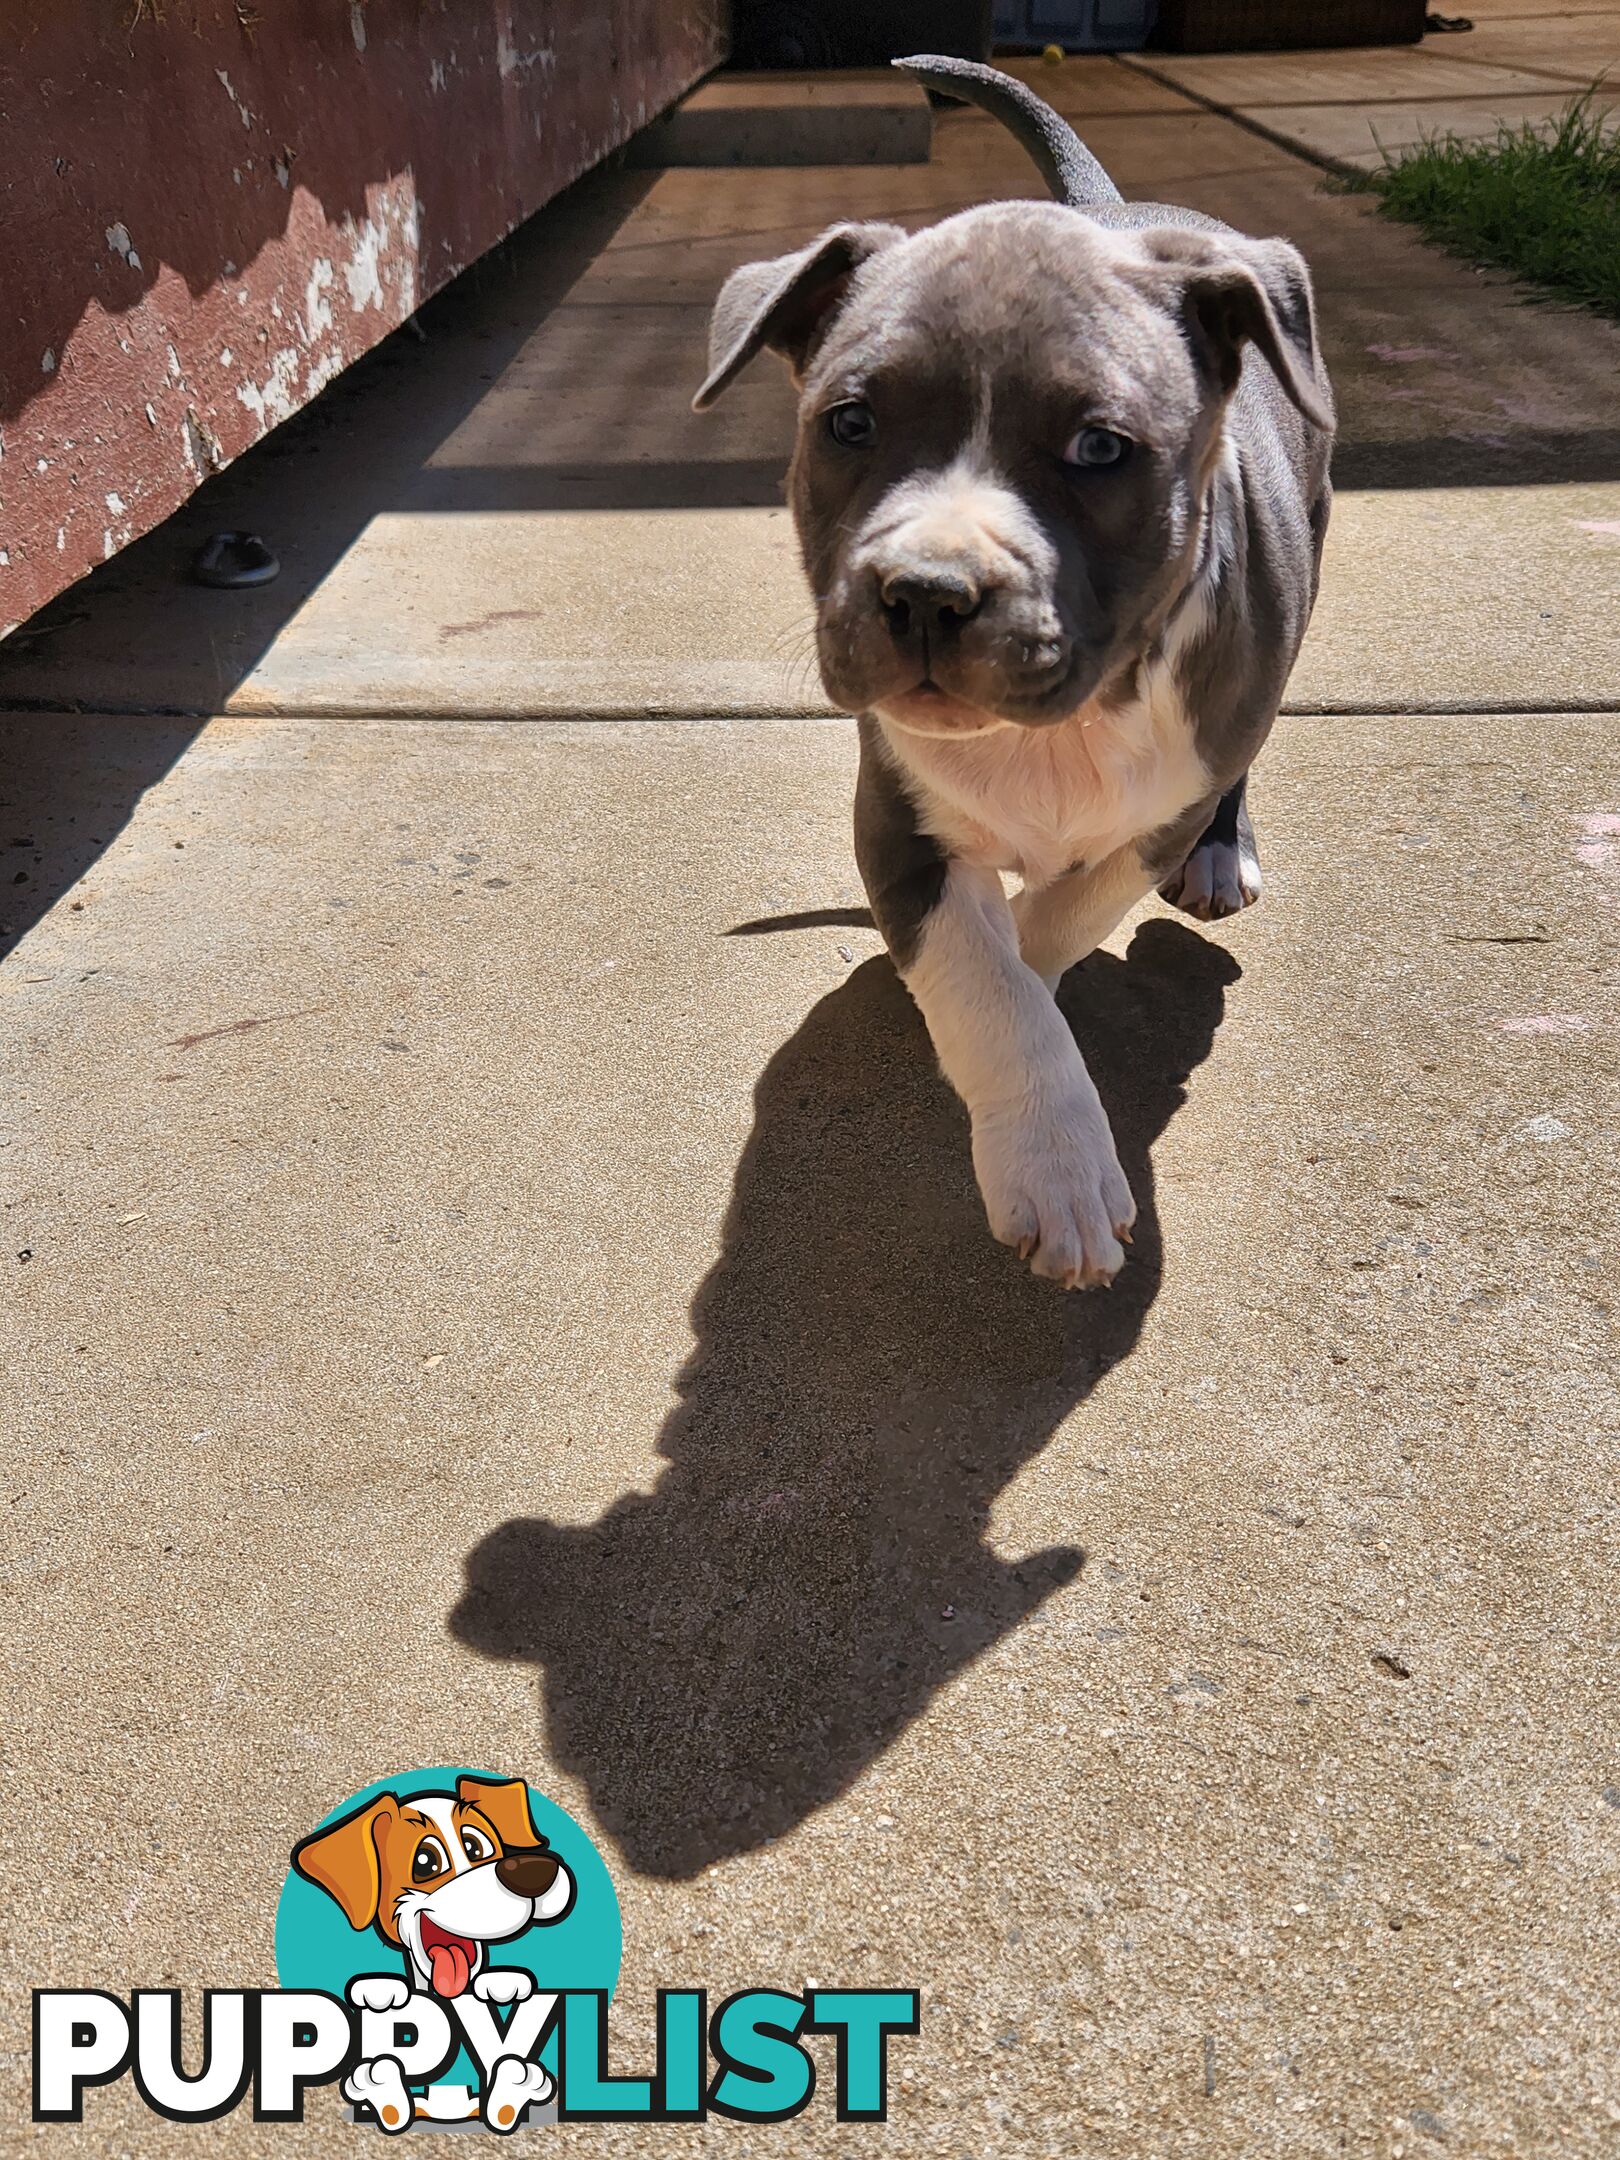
[(345, 1862), (1238, 292), (505, 1802), (786, 303)]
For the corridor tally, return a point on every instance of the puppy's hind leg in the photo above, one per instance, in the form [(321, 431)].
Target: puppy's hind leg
[(1222, 874)]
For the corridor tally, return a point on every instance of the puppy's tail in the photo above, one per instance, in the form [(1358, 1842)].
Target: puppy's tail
[(1067, 166)]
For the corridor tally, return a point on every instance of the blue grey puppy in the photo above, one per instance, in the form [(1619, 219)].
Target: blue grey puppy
[(1061, 489)]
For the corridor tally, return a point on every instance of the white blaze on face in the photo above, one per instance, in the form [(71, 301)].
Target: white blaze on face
[(444, 1929), (961, 517)]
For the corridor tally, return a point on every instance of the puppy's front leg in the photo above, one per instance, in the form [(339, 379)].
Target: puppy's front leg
[(1060, 923), (1042, 1151)]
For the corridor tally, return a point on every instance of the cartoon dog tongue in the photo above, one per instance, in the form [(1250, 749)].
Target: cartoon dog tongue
[(451, 1961)]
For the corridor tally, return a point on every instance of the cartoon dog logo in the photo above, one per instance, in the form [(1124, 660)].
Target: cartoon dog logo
[(440, 1876)]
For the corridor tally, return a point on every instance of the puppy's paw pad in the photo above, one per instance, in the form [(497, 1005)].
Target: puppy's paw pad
[(379, 1991), (380, 2086), (514, 2086), (504, 1984), (1219, 878)]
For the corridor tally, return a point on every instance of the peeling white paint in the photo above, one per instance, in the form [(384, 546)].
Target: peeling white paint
[(317, 308), (362, 272), (174, 363), (436, 75), (246, 116), (321, 372), (272, 400), (283, 171), (202, 447), (106, 546), (512, 62), (115, 503), (119, 242), (42, 464), (47, 365), (151, 416), (357, 25), (61, 539), (226, 356)]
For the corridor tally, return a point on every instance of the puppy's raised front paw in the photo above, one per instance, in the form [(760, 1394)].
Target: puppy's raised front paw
[(515, 2086), (1053, 1188), (379, 1991), (504, 1984), (380, 2086), (1218, 878)]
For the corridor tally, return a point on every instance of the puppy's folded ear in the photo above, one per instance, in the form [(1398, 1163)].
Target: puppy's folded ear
[(343, 1860), (1238, 292), (786, 303), (503, 1802)]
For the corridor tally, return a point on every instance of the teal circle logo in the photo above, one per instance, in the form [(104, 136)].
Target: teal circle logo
[(449, 1885)]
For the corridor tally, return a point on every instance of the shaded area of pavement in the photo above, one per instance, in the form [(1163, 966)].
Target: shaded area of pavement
[(465, 1303), (521, 517), (60, 810), (731, 1651)]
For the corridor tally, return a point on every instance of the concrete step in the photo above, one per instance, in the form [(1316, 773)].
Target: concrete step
[(839, 117)]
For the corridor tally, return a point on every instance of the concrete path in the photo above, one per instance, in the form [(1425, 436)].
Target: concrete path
[(1521, 63), (504, 1283), (494, 1276)]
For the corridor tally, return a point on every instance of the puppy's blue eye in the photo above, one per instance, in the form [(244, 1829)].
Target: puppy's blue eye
[(853, 425), (1096, 446)]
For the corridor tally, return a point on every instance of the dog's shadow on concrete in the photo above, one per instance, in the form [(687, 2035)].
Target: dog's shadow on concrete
[(724, 1654)]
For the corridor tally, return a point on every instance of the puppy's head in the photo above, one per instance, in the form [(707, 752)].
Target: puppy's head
[(439, 1875), (1007, 428)]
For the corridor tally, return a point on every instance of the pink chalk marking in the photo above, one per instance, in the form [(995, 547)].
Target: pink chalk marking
[(1547, 1024), (1599, 851), (1408, 355), (1608, 527)]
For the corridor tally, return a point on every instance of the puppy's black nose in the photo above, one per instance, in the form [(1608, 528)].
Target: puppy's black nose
[(922, 599), (529, 1871)]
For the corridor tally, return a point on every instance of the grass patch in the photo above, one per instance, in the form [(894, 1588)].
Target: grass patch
[(1542, 202)]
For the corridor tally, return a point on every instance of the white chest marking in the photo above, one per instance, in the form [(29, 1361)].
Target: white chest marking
[(1038, 801)]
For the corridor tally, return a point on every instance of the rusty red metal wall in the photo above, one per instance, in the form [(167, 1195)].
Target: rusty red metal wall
[(208, 208)]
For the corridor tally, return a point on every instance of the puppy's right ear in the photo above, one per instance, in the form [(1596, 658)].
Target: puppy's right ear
[(344, 1862), (786, 303)]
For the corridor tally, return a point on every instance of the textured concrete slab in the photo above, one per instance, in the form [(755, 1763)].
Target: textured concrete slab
[(1439, 68), (1578, 48), (1555, 14), (1363, 135), (493, 1277), (840, 117), (1349, 108), (520, 515)]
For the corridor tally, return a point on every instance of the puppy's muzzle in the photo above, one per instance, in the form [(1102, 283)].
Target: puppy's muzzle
[(932, 601), (527, 1871)]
